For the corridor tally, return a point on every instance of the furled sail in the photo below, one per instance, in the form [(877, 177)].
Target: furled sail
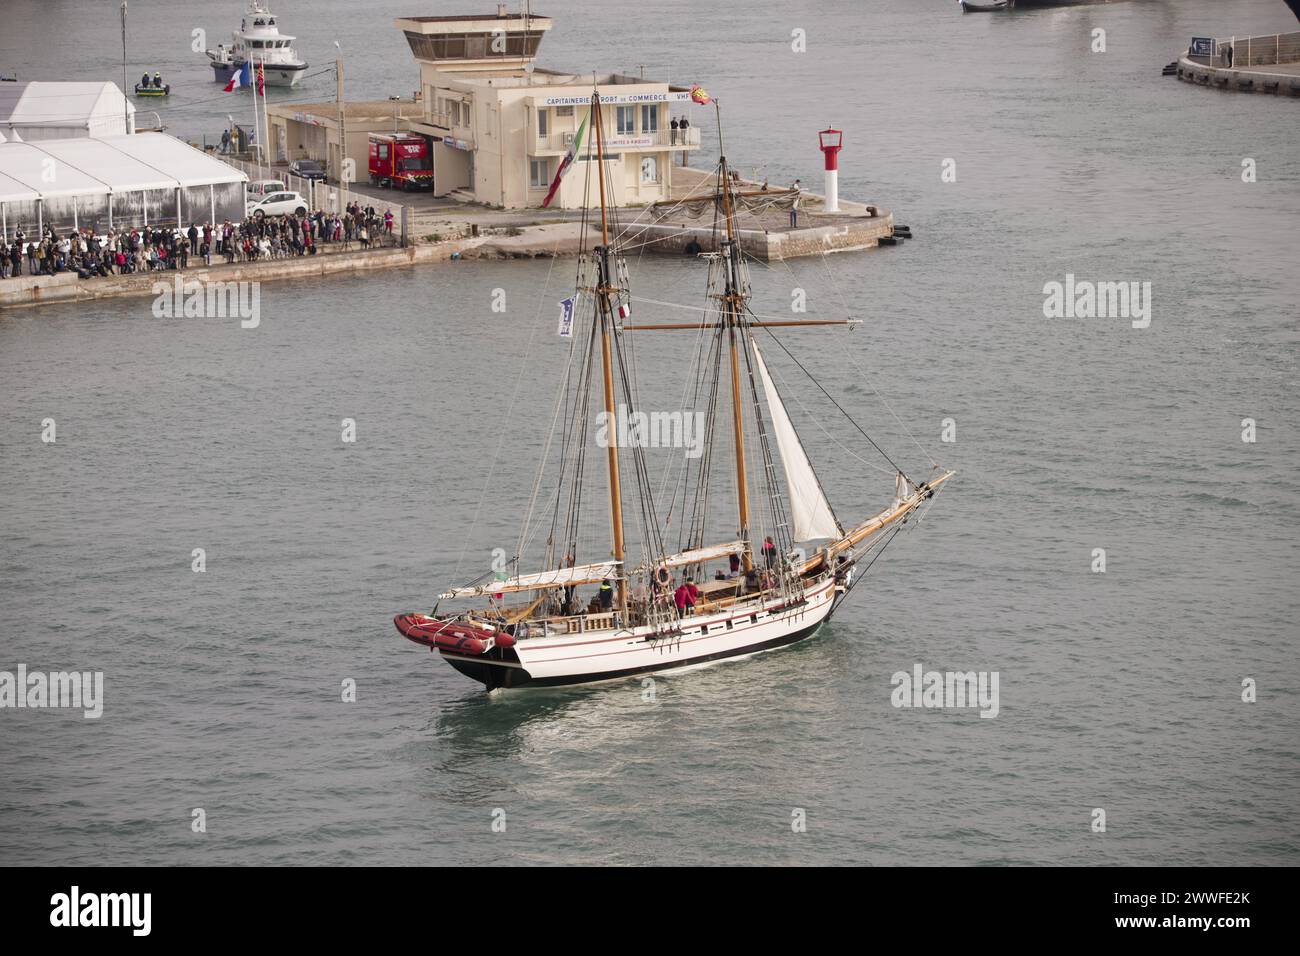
[(810, 512), (698, 555), (559, 578)]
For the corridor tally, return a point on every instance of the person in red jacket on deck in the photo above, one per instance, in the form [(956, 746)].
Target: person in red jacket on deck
[(681, 597), (685, 597)]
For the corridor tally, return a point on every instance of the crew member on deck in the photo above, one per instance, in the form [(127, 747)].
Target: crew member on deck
[(606, 595), (567, 607), (157, 80), (769, 552), (684, 597)]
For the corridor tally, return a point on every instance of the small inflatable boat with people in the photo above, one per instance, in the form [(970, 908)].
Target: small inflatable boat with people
[(154, 87)]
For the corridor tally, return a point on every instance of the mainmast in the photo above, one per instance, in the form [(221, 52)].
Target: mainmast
[(733, 298), (603, 290)]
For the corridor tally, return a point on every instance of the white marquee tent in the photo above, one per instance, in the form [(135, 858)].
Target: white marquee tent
[(59, 110), (114, 182)]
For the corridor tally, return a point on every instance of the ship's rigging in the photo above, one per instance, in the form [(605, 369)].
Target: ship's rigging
[(655, 536)]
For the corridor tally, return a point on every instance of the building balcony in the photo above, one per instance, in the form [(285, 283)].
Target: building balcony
[(558, 143)]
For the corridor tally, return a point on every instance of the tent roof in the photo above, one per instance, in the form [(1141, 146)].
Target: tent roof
[(116, 169), (11, 190), (38, 170), (40, 103), (96, 166), (187, 165)]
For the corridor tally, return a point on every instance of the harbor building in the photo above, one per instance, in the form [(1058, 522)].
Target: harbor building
[(500, 124), (495, 125), (312, 130), (113, 182), (39, 110)]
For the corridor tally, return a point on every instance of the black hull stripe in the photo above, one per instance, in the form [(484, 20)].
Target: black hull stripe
[(493, 677)]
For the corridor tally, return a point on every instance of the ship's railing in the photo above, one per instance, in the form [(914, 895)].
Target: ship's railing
[(561, 625)]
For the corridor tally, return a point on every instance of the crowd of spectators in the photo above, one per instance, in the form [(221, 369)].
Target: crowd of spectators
[(150, 249)]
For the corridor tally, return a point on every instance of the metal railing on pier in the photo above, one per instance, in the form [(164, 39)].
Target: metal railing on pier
[(1241, 52), (322, 195)]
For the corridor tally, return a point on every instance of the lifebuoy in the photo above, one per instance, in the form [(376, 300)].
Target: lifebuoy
[(663, 577)]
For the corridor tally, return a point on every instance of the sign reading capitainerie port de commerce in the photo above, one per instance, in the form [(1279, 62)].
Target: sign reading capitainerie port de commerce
[(672, 97)]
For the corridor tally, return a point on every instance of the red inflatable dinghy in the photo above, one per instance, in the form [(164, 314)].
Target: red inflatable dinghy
[(456, 636)]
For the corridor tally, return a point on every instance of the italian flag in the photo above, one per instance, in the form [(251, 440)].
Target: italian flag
[(567, 161)]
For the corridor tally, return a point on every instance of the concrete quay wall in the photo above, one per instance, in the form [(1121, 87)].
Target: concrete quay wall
[(554, 239), (67, 287), (1279, 79)]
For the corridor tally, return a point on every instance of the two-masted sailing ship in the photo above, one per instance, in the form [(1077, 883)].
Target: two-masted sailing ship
[(766, 573)]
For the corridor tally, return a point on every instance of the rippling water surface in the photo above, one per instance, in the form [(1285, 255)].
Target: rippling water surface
[(1118, 690)]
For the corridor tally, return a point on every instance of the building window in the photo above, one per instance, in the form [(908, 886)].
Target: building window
[(543, 122), (649, 118), (649, 169), (539, 173), (627, 119)]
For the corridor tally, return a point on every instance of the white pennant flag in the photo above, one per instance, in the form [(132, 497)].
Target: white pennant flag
[(567, 308)]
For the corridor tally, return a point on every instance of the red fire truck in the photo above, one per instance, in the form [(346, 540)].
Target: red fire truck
[(400, 161)]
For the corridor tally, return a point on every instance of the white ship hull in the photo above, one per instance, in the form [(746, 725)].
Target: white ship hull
[(277, 74), (610, 654)]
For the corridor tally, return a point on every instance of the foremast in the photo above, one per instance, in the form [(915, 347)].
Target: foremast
[(605, 312), (735, 293)]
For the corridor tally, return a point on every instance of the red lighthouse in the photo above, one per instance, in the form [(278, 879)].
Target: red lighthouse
[(830, 140)]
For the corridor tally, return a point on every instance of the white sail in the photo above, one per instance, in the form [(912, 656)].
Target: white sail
[(810, 512), (559, 578)]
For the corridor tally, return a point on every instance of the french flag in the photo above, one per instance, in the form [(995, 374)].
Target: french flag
[(241, 77)]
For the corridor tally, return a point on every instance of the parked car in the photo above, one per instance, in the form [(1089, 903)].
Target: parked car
[(278, 204), (261, 188), (307, 169)]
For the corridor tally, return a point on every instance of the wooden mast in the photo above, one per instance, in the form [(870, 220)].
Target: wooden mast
[(733, 298), (603, 290)]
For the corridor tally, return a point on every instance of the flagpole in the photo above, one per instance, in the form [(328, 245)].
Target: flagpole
[(257, 135), (266, 117), (126, 104)]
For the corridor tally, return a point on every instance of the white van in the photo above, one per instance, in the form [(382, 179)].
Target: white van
[(258, 189)]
